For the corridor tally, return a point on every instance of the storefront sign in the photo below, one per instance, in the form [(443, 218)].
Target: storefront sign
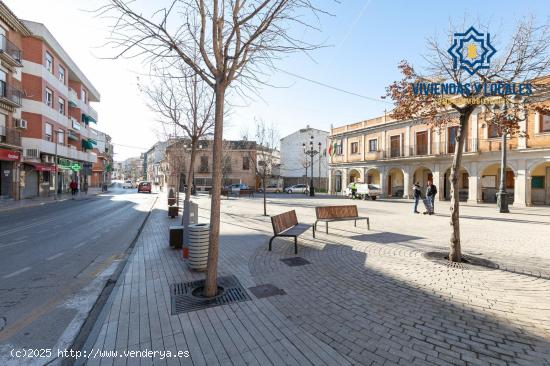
[(9, 155)]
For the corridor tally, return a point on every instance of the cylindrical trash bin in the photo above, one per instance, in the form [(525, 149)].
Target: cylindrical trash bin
[(198, 246)]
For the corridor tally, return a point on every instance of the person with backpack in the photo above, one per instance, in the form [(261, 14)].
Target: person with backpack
[(417, 195), (431, 191)]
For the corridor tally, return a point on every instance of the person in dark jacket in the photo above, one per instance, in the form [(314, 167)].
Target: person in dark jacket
[(431, 191), (417, 195)]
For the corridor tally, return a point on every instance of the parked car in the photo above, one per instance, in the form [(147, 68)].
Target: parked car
[(237, 187), (364, 191), (272, 188), (144, 187), (297, 188), (128, 184)]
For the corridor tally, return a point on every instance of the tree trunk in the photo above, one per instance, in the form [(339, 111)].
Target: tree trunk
[(455, 254), (211, 287), (265, 202), (186, 205)]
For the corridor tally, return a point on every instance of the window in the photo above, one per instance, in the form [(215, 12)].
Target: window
[(61, 137), (61, 74), (48, 132), (373, 145), (395, 146), (355, 148), (493, 131), (61, 105), (451, 139), (49, 62), (246, 163), (49, 97), (203, 168), (545, 123), (340, 149), (422, 143)]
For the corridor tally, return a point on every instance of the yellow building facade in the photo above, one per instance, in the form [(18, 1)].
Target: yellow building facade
[(395, 154)]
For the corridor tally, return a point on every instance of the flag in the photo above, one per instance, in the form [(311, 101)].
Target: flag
[(330, 150)]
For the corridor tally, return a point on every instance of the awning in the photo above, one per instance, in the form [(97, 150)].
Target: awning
[(92, 141), (72, 104), (86, 144), (42, 167), (88, 119), (9, 155)]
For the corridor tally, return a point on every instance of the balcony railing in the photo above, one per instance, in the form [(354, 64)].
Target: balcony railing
[(10, 93), (10, 136), (10, 49), (435, 148)]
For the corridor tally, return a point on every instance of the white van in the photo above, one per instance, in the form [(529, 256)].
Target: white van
[(364, 191)]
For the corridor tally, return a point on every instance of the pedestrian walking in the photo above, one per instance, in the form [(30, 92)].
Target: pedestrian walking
[(417, 194), (74, 187), (431, 191)]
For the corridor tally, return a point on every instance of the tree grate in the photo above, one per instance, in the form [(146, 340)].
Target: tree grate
[(295, 261), (266, 290), (468, 262), (183, 300)]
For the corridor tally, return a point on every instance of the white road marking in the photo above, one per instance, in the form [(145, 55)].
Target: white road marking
[(17, 272), (79, 245), (54, 256)]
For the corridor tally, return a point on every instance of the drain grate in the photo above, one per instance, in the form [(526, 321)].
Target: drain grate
[(468, 261), (183, 300), (266, 290), (295, 261)]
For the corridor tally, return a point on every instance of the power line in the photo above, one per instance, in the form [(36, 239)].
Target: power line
[(333, 87)]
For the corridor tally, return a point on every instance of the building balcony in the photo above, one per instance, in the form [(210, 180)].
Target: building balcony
[(10, 136), (48, 147), (10, 95), (9, 52), (73, 98)]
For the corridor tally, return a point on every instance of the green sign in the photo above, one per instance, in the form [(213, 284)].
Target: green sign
[(69, 165)]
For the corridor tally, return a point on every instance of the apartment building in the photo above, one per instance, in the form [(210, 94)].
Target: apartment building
[(57, 114), (102, 169), (395, 154), (12, 31), (237, 164), (296, 165)]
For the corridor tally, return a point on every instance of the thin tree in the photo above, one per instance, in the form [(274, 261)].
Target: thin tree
[(524, 59), (185, 104), (234, 38), (264, 156)]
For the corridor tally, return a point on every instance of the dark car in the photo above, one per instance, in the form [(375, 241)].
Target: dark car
[(144, 187)]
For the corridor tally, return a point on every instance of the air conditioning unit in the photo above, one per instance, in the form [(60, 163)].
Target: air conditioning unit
[(21, 123), (32, 153)]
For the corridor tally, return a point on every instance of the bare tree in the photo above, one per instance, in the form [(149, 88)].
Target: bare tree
[(265, 155), (185, 104), (234, 38), (524, 59)]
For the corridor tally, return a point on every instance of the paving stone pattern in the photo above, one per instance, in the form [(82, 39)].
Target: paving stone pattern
[(365, 298)]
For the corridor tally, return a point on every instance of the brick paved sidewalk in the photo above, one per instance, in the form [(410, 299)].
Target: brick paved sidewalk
[(361, 300)]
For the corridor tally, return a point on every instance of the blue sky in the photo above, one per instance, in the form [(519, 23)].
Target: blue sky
[(366, 39)]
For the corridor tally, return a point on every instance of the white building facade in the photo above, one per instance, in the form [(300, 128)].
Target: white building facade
[(294, 162)]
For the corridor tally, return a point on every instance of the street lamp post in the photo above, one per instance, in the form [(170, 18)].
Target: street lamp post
[(311, 153), (502, 195)]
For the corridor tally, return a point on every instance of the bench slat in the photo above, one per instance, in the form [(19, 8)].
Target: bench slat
[(283, 221), (336, 212)]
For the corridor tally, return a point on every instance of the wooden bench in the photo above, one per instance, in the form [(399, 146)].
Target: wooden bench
[(286, 225), (338, 213)]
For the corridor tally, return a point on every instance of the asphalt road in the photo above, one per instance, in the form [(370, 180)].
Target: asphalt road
[(55, 258)]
